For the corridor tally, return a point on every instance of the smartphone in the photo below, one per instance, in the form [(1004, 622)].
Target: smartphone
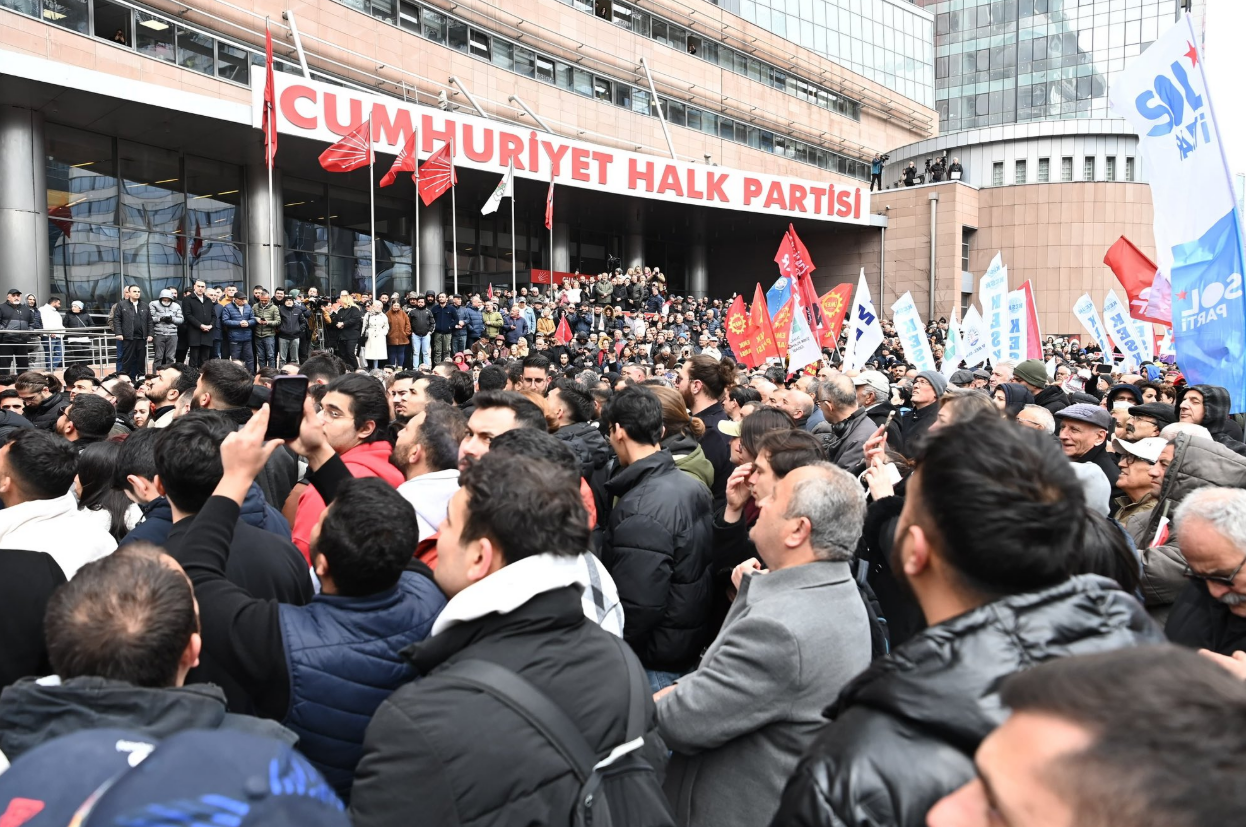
[(1104, 369), (890, 417), (285, 407)]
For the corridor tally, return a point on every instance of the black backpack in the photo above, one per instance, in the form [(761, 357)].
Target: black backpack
[(619, 789)]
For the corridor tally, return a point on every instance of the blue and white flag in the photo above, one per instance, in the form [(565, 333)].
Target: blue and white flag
[(952, 349), (912, 333), (973, 339), (1086, 312), (1124, 334), (1198, 239), (1017, 338), (865, 331), (777, 295), (993, 296)]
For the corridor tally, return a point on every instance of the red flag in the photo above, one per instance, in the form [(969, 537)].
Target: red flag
[(62, 217), (352, 152), (795, 263), (1136, 273), (834, 304), (1034, 343), (437, 175), (270, 101), (782, 326), (549, 207), (563, 334), (739, 333), (196, 246), (489, 293), (405, 162), (762, 331)]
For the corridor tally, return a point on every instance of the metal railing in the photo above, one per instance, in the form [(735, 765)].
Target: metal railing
[(95, 346)]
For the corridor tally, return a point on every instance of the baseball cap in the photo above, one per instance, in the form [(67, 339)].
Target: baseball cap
[(1161, 413), (192, 777), (729, 427), (874, 379), (1148, 449), (1084, 412), (15, 292)]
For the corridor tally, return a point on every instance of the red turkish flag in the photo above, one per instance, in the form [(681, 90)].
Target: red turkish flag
[(196, 246), (270, 101), (739, 333), (352, 152), (1136, 273), (549, 207), (563, 334), (834, 304), (437, 175), (405, 162)]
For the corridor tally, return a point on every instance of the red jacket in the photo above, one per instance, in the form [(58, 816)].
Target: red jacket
[(368, 460)]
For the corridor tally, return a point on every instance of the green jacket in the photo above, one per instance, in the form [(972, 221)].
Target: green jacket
[(269, 314), (690, 459), (493, 324)]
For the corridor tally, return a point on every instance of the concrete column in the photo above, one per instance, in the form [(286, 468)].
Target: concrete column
[(432, 249), (562, 247), (634, 242), (261, 235), (698, 271), (25, 262)]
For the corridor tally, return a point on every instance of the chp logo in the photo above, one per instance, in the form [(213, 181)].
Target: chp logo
[(1208, 302), (1177, 106)]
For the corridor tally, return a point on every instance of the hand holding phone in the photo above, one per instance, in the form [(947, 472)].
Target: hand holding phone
[(286, 407)]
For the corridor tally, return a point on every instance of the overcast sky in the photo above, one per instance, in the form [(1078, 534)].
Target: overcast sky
[(1226, 66)]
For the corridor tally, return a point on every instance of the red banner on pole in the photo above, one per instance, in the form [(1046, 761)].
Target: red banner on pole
[(834, 304), (764, 344), (739, 333), (352, 152), (437, 175)]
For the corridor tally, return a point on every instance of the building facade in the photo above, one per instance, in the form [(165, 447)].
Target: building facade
[(130, 151)]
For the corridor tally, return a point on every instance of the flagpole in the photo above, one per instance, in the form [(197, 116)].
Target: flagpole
[(551, 229), (513, 262), (272, 223), (415, 181), (372, 207)]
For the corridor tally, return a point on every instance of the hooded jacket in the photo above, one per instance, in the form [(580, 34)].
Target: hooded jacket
[(1016, 397), (370, 459), (1196, 463), (903, 733), (590, 447), (1052, 398), (429, 494), (159, 311), (1215, 415), (657, 548), (34, 711), (689, 458)]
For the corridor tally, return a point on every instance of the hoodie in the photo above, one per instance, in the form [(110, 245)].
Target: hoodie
[(689, 458), (370, 459), (1017, 396), (429, 494), (1216, 416), (158, 519), (34, 711)]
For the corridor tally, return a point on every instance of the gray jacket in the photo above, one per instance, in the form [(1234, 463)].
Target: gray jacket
[(739, 724), (158, 312)]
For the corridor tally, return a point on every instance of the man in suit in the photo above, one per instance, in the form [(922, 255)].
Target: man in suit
[(132, 325), (797, 632), (200, 313)]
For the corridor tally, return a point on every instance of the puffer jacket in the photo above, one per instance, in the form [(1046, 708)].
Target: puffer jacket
[(903, 733), (232, 317), (589, 445), (1052, 398), (1196, 463), (1215, 415), (475, 320), (293, 321), (160, 311), (271, 315), (657, 548)]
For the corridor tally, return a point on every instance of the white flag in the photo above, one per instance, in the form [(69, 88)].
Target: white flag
[(912, 333), (1121, 329), (993, 296), (973, 339), (1017, 335), (951, 346), (802, 345), (1086, 312), (865, 332), (504, 189), (1145, 334)]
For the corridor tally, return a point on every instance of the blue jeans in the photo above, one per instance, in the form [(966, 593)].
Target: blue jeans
[(421, 349), (54, 349), (458, 342), (396, 352), (266, 351), (243, 352), (660, 680)]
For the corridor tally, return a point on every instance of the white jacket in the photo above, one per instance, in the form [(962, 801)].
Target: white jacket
[(72, 536), (429, 495)]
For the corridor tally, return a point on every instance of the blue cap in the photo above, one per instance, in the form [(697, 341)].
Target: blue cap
[(1083, 412), (192, 777)]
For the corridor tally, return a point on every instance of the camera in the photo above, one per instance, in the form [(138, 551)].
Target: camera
[(884, 158)]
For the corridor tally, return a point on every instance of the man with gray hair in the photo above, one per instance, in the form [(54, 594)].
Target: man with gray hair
[(796, 634), (1001, 374), (1038, 418), (1210, 613), (850, 427)]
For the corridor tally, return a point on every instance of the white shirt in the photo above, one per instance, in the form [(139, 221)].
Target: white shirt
[(72, 536)]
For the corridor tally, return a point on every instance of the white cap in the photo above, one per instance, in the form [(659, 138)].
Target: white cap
[(875, 380), (1148, 449)]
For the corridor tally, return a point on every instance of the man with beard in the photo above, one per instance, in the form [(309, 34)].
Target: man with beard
[(991, 567), (1211, 612), (703, 382), (172, 382), (427, 454)]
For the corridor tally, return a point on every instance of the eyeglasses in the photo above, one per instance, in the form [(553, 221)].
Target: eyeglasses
[(1224, 580)]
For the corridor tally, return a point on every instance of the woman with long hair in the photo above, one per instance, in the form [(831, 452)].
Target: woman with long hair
[(94, 486)]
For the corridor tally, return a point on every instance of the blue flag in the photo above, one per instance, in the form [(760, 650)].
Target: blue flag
[(1208, 309), (777, 295)]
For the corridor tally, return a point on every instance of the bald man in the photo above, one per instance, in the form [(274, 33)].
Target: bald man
[(800, 405)]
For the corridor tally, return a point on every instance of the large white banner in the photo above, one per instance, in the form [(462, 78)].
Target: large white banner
[(865, 331), (1145, 333), (993, 296), (973, 337), (953, 350), (912, 334), (1086, 312), (1121, 329), (802, 344), (321, 112), (1015, 341)]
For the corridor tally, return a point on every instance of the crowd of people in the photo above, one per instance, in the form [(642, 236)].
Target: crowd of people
[(609, 577)]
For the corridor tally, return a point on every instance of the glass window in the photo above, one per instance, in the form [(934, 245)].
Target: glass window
[(1109, 169), (503, 54), (1044, 170), (151, 188), (409, 18), (306, 213), (231, 63), (582, 83), (524, 62), (27, 7), (997, 174), (213, 200), (640, 101), (1020, 172), (659, 31), (72, 14), (1088, 168), (544, 69), (81, 175), (434, 25), (154, 37), (1066, 169), (86, 263), (113, 22), (694, 118), (601, 89), (384, 10), (675, 113), (1129, 169), (196, 51), (562, 75), (456, 35), (478, 44)]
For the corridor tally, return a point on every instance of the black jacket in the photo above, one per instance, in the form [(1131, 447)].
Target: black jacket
[(32, 714), (442, 753), (1106, 462), (351, 319), (914, 425), (878, 415), (17, 317), (27, 580), (1215, 415), (421, 320), (45, 414), (896, 603), (590, 447), (657, 548), (717, 448), (293, 321), (199, 312), (904, 732), (131, 322), (1052, 398), (1200, 621)]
